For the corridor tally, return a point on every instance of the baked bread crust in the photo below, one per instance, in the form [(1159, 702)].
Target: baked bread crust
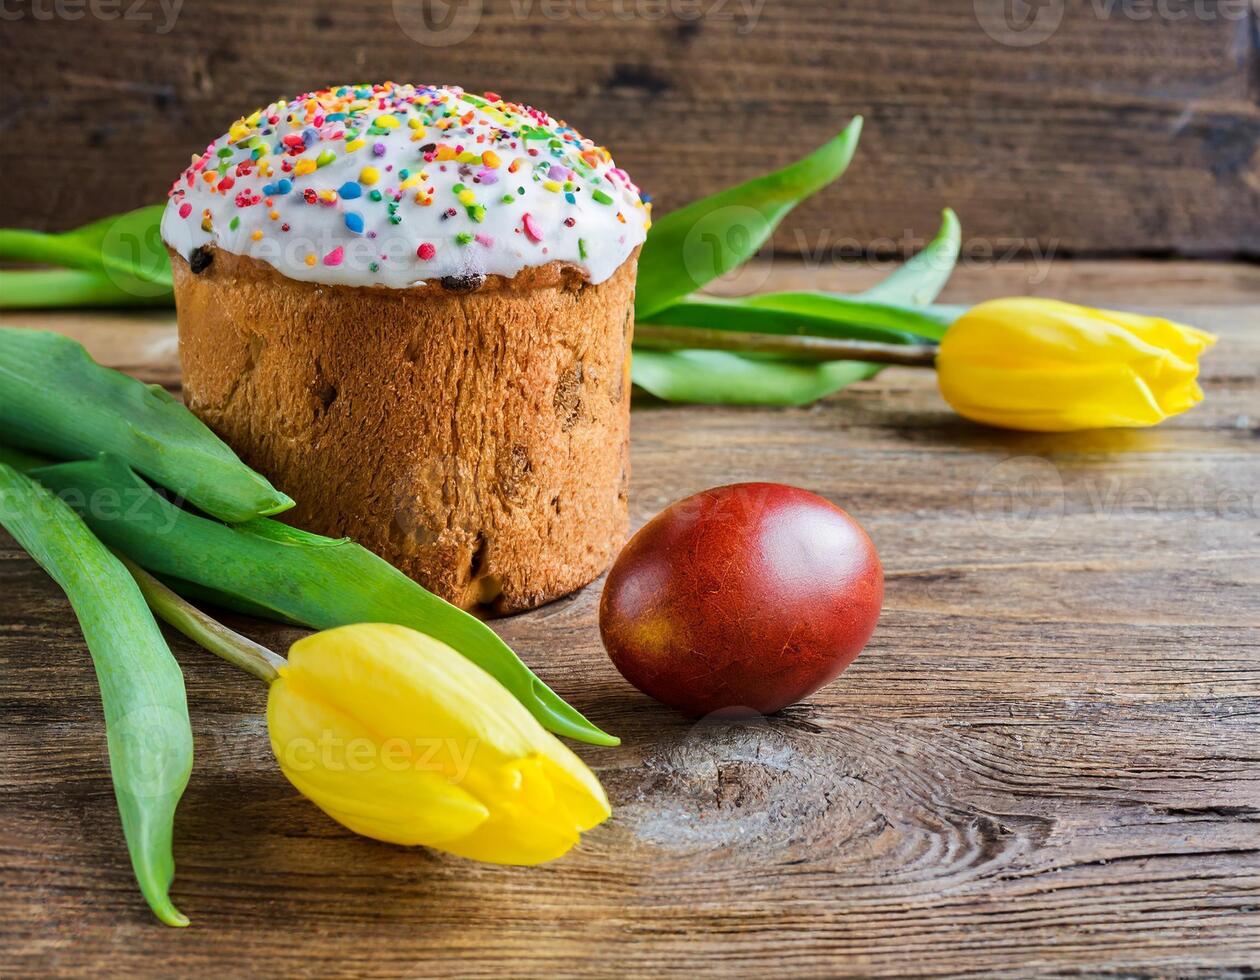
[(474, 433)]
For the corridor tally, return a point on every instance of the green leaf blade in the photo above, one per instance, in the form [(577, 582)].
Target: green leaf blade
[(919, 281), (142, 688), (128, 246), (53, 289), (711, 377), (806, 314), (270, 568), (709, 238), (55, 399)]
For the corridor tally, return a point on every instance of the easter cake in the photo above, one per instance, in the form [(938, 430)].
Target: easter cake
[(411, 307)]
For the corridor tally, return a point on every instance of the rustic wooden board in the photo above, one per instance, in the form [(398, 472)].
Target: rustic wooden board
[(1047, 760), (1134, 128)]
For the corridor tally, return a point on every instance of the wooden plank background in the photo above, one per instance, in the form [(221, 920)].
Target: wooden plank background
[(1134, 129), (1046, 762)]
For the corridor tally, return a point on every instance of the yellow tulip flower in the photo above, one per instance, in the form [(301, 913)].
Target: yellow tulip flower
[(395, 735), (1048, 366)]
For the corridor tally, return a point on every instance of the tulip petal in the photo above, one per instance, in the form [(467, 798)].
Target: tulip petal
[(1048, 366), (373, 786), (1106, 396), (534, 823), (469, 770), (1185, 342)]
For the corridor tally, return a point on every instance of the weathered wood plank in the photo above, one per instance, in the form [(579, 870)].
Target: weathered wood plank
[(1133, 128), (1047, 761)]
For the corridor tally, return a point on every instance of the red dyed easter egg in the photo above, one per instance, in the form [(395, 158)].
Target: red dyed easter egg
[(753, 595)]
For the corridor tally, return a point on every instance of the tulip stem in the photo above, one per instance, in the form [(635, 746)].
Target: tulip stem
[(205, 631), (655, 337)]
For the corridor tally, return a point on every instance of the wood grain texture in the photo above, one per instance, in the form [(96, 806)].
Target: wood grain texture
[(1047, 762), (1133, 128)]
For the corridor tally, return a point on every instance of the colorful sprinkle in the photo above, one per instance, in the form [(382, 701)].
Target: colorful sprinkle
[(439, 170)]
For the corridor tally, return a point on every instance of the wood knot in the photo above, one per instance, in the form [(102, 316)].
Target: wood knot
[(200, 259)]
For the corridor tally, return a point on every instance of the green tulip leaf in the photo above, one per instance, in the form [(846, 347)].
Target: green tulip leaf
[(52, 289), (920, 280), (714, 377), (55, 399), (805, 314), (895, 311), (270, 569), (125, 248), (147, 731), (711, 237)]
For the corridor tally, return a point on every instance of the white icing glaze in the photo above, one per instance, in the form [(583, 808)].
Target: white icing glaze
[(542, 194)]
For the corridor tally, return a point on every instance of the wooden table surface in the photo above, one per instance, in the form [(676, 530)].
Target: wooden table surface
[(1046, 761), (1133, 127)]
